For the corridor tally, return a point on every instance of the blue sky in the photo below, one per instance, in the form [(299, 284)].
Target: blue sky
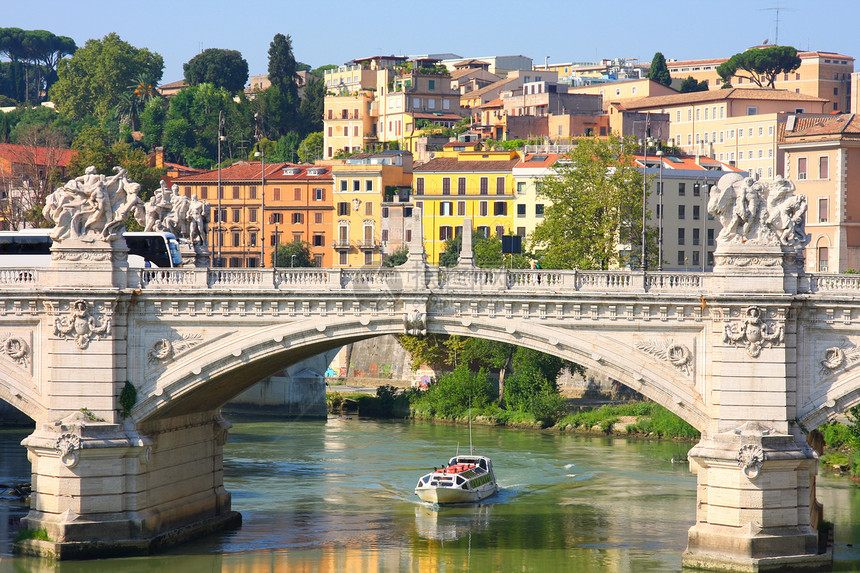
[(332, 32)]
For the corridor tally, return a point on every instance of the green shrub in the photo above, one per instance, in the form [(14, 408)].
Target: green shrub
[(855, 465), (24, 534), (452, 395), (836, 435)]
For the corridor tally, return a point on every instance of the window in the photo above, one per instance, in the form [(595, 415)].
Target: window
[(681, 236), (521, 210), (539, 210), (343, 208), (696, 213), (368, 257), (356, 185), (220, 192), (823, 167), (461, 208), (446, 186), (500, 185), (431, 84), (297, 218), (237, 239), (681, 211), (346, 131), (752, 110), (368, 208), (696, 259), (710, 237), (341, 259), (204, 192), (822, 259), (252, 215), (235, 192), (344, 186), (237, 213), (682, 189), (319, 194), (681, 259), (696, 238), (461, 186), (252, 192), (485, 183), (419, 186), (252, 239), (276, 194), (384, 237), (297, 194), (801, 168), (445, 209), (446, 232), (276, 218), (823, 209), (500, 230), (318, 240), (500, 208), (318, 218), (482, 209), (368, 184)]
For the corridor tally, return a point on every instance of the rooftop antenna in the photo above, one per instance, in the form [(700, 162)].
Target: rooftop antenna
[(777, 9)]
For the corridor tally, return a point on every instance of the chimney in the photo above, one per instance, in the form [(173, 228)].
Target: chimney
[(159, 157), (855, 92)]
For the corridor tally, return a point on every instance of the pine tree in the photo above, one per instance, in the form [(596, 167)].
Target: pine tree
[(659, 71)]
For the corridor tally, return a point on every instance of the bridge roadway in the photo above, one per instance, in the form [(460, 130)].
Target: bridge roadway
[(755, 355)]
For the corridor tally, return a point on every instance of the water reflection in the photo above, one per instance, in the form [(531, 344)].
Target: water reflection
[(338, 495)]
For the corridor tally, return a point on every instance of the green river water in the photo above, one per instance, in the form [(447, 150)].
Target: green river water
[(337, 495)]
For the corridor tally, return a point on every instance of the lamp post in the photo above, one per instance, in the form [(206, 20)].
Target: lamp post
[(701, 187), (645, 143), (262, 155), (220, 139), (660, 213), (292, 261)]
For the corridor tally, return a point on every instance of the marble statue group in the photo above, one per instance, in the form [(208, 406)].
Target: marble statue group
[(759, 212), (94, 207)]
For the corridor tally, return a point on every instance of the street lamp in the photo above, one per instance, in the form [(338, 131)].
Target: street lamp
[(220, 139), (645, 143), (701, 186), (262, 155), (660, 213), (292, 261)]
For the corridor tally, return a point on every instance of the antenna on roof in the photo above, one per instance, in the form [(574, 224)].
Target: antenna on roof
[(776, 10)]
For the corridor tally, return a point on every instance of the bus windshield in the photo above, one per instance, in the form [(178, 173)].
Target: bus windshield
[(158, 249)]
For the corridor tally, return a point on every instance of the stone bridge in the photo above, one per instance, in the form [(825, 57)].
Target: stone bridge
[(125, 371)]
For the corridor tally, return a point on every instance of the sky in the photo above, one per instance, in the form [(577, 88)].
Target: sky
[(336, 31)]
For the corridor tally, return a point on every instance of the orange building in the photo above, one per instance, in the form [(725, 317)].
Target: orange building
[(247, 224)]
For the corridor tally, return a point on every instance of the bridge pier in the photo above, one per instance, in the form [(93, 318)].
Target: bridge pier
[(101, 489)]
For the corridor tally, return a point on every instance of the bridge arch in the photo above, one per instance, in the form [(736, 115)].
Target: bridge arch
[(835, 398), (208, 377), (19, 390)]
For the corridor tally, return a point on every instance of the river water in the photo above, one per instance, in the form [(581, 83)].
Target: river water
[(337, 495)]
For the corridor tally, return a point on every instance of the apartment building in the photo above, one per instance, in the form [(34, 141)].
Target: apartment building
[(362, 183), (475, 184), (515, 79), (680, 211), (824, 75), (738, 125), (528, 204), (822, 158), (259, 207), (347, 123), (622, 91)]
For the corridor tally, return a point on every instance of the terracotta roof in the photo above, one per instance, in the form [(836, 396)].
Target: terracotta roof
[(537, 160), (687, 162), (719, 95), (48, 156), (710, 61), (493, 103), (846, 124), (252, 171), (495, 85), (455, 165)]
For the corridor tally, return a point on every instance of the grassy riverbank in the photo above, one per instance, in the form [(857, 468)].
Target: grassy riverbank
[(632, 419)]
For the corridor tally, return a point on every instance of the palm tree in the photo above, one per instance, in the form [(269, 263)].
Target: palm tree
[(132, 102)]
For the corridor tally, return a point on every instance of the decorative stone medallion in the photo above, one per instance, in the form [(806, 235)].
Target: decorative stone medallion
[(165, 349), (750, 458), (68, 446), (16, 348), (678, 355), (838, 357), (415, 322)]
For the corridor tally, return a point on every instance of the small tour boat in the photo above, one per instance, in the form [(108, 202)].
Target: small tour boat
[(466, 478)]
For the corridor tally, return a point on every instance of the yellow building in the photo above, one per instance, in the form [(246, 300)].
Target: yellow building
[(738, 125), (825, 75), (622, 91), (360, 185), (822, 158), (475, 184), (347, 123)]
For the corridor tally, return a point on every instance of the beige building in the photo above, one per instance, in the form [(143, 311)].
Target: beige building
[(824, 75), (528, 205), (619, 92), (738, 125), (822, 157), (347, 123)]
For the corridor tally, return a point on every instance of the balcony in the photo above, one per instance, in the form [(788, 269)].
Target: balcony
[(368, 244), (340, 243)]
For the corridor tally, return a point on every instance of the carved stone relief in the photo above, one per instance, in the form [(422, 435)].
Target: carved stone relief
[(68, 447), (844, 355), (81, 325), (754, 332), (17, 349), (415, 322), (165, 349), (678, 355), (750, 459)]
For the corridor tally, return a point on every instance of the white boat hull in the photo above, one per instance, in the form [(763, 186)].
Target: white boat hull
[(455, 495)]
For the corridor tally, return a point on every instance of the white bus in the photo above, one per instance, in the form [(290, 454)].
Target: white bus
[(31, 248)]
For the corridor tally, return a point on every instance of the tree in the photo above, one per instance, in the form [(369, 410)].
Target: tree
[(593, 220), (312, 106), (396, 258), (92, 81), (691, 85), (222, 68), (761, 65), (281, 100), (659, 71), (38, 52), (94, 147), (311, 147), (293, 254), (486, 250)]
